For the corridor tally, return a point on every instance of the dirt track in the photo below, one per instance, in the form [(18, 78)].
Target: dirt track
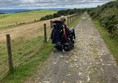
[(89, 62)]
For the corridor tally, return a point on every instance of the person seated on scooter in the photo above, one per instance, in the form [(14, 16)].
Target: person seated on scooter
[(67, 33), (60, 33), (65, 30), (59, 30)]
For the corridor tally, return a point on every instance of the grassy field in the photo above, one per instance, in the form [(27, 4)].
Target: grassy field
[(28, 52), (111, 43), (23, 17)]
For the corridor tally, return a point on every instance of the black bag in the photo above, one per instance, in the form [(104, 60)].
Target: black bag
[(66, 46), (56, 32)]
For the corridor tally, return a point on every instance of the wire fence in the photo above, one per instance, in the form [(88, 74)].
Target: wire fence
[(18, 47)]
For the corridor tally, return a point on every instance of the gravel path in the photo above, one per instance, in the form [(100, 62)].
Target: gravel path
[(89, 62)]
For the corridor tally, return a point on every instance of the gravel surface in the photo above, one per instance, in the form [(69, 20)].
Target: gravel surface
[(89, 62)]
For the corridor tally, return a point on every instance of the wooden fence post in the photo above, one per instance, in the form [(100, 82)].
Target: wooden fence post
[(45, 33), (51, 24), (10, 62), (67, 20), (70, 19), (74, 17)]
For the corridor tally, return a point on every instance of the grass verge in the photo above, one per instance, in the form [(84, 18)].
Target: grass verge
[(23, 71), (110, 42), (74, 23)]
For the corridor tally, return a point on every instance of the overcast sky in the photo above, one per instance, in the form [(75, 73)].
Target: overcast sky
[(51, 3)]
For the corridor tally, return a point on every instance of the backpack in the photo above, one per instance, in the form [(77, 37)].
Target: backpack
[(57, 32)]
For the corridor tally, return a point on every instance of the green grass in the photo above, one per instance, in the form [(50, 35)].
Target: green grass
[(26, 70), (22, 50), (74, 23), (24, 17), (27, 56), (111, 43)]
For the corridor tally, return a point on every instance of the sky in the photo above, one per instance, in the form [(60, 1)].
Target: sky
[(34, 4)]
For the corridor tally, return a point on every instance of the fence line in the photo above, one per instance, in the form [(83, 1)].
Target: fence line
[(70, 19)]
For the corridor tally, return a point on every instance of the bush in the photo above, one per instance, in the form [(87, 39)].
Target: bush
[(63, 12), (107, 14)]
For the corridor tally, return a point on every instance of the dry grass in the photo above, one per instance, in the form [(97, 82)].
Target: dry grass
[(26, 41)]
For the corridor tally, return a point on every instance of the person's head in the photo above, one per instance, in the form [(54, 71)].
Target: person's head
[(63, 19)]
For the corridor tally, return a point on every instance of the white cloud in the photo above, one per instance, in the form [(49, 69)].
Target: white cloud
[(28, 1), (50, 3)]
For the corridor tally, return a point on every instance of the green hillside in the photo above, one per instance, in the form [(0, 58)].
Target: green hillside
[(107, 15), (23, 17), (105, 18)]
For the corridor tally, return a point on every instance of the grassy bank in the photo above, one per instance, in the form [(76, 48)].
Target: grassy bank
[(111, 43), (28, 54)]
